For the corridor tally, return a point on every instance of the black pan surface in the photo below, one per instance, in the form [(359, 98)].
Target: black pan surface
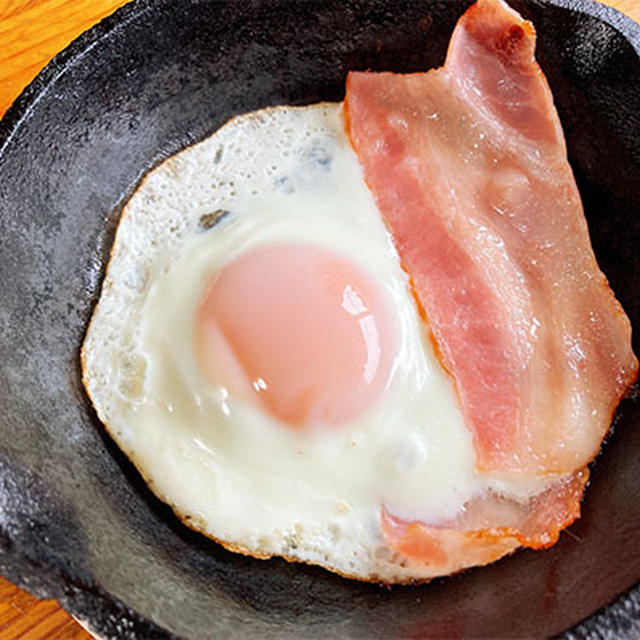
[(76, 521)]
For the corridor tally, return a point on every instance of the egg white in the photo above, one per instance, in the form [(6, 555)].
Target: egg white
[(227, 468)]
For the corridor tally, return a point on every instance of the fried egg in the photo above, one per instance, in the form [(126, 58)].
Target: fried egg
[(257, 352)]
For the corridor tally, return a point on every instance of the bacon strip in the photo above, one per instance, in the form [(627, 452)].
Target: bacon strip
[(469, 169), (490, 526)]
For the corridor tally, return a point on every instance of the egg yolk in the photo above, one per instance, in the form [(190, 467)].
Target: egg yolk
[(298, 330)]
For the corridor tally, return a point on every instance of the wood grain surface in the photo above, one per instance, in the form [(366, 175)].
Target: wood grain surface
[(31, 33), (27, 618)]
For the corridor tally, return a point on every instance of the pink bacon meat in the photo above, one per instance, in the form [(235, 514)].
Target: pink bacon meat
[(469, 168)]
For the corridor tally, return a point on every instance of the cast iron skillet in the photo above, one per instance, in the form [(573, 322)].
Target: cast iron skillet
[(76, 521)]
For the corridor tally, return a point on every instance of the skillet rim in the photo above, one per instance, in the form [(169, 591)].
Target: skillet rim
[(44, 583)]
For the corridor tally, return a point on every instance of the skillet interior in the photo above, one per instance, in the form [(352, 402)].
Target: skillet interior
[(76, 522)]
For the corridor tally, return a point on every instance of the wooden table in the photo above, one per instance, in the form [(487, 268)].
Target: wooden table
[(31, 33)]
